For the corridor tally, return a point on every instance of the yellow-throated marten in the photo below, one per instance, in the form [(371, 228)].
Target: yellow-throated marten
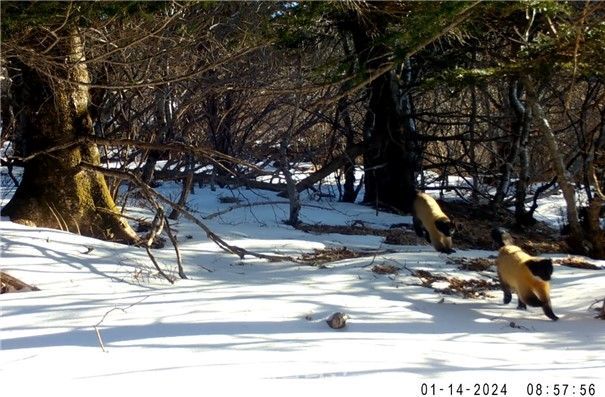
[(527, 276), (432, 223)]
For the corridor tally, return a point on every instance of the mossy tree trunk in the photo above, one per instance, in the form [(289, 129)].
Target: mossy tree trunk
[(55, 192)]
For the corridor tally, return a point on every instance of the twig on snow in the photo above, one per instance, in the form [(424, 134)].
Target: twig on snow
[(123, 309)]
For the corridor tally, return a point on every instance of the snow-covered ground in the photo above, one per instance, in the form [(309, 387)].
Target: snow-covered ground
[(103, 322)]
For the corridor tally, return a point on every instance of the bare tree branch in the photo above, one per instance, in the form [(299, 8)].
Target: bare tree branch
[(232, 249)]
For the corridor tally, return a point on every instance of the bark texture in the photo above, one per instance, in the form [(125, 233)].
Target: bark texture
[(392, 151), (55, 192)]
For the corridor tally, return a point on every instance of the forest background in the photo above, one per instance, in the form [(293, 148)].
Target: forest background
[(506, 95)]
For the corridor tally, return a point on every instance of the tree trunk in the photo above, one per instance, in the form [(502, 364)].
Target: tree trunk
[(391, 149), (524, 118), (293, 195), (187, 188), (148, 170), (576, 240), (522, 216), (472, 146), (412, 149), (392, 152), (349, 194), (596, 160), (506, 170), (55, 192), (220, 117), (342, 111)]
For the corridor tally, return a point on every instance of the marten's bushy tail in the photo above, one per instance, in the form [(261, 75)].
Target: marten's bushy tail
[(502, 237)]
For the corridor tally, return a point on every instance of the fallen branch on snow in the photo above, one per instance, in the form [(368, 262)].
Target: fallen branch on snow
[(232, 249), (123, 309)]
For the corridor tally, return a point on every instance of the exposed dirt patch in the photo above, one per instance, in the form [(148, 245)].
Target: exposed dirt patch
[(469, 289), (384, 268), (427, 277), (322, 256), (577, 262), (394, 235), (356, 228), (398, 236), (473, 288), (473, 264), (474, 225)]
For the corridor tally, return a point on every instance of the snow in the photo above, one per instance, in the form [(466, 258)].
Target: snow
[(254, 325)]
